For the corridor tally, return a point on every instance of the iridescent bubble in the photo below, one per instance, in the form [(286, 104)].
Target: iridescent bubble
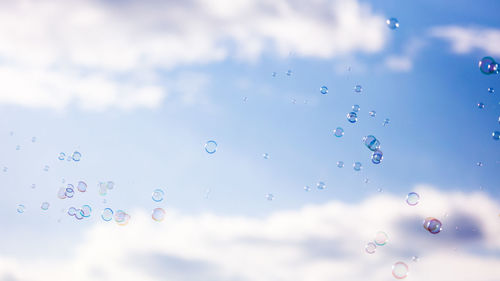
[(338, 132), (496, 135), (377, 156), (33, 186), (355, 108), (488, 65), (61, 194), (412, 198), (352, 117), (480, 105), (121, 218), (211, 147), (307, 188), (72, 211), (20, 208), (321, 185), (432, 225), (340, 164), (76, 156), (386, 122), (158, 195), (79, 214), (367, 180), (392, 23), (81, 186), (70, 191), (479, 164), (370, 248), (380, 190), (110, 185), (270, 197), (372, 113), (158, 214), (400, 270), (323, 90), (371, 142), (491, 90), (358, 88), (357, 166), (381, 238), (265, 155), (107, 214), (45, 206), (86, 210)]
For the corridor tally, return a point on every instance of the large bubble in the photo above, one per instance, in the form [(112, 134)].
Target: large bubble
[(371, 142), (352, 117), (400, 270), (107, 214), (158, 195), (432, 225)]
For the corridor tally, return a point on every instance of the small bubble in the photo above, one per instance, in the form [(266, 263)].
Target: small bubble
[(400, 270), (380, 190), (5, 169), (479, 164), (307, 188), (294, 101), (273, 74), (323, 90), (270, 197), (158, 195), (358, 88), (76, 156), (371, 142), (372, 113), (110, 185), (366, 180), (357, 166), (61, 194), (33, 186), (121, 218), (377, 157), (432, 225), (211, 147), (158, 214), (496, 135), (412, 198), (78, 214), (480, 105), (21, 208), (45, 206), (46, 168), (340, 164), (386, 122), (289, 72), (72, 211), (265, 155), (85, 211), (107, 214), (18, 147), (81, 186), (61, 156), (70, 191), (321, 185), (415, 259), (381, 238), (392, 23), (338, 132), (491, 90), (244, 99), (33, 139), (352, 117), (488, 65), (370, 248), (355, 108), (103, 190)]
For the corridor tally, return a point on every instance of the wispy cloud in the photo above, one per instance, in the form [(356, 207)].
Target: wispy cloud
[(105, 54), (467, 39), (317, 242), (404, 61)]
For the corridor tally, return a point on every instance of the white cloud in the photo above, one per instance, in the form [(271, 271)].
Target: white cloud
[(317, 242), (404, 61), (95, 53), (467, 39)]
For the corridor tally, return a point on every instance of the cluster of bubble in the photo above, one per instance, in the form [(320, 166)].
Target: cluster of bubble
[(373, 144), (83, 212), (105, 186), (76, 156), (69, 190), (432, 225), (380, 239), (158, 214)]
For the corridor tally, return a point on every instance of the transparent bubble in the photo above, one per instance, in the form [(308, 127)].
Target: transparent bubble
[(107, 214), (72, 211), (400, 270), (21, 208), (211, 147), (356, 108), (270, 197), (380, 190), (357, 166), (392, 23), (372, 113), (121, 218), (415, 258), (76, 156), (79, 214), (377, 157), (491, 90), (103, 190), (340, 164), (273, 74), (412, 198), (110, 185), (496, 135), (323, 90), (479, 164), (62, 156), (158, 214), (158, 195), (45, 206), (381, 238), (289, 72), (321, 185), (86, 210), (432, 225), (370, 248), (307, 188), (371, 142), (488, 65), (352, 117), (480, 105), (70, 191), (46, 168), (81, 186), (338, 132), (61, 194), (358, 88), (265, 155), (386, 122)]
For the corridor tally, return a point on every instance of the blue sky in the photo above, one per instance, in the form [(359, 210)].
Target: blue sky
[(139, 87)]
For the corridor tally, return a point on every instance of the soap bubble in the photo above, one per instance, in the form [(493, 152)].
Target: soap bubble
[(323, 90), (386, 122), (158, 195), (76, 156), (211, 147), (321, 185), (46, 168), (392, 23), (496, 135), (289, 72), (110, 185), (371, 142), (380, 190), (86, 210), (357, 166), (81, 186), (33, 139), (381, 238), (491, 90), (265, 155), (273, 74), (61, 194), (121, 218), (355, 108), (61, 156), (479, 164), (372, 113), (415, 258), (20, 208), (340, 164), (270, 197), (45, 206), (488, 65), (352, 117), (103, 190), (107, 214), (400, 270), (480, 105), (70, 191), (307, 188), (338, 132), (377, 157), (358, 88), (18, 147), (412, 198), (433, 225), (370, 248), (72, 211), (79, 214), (158, 214)]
